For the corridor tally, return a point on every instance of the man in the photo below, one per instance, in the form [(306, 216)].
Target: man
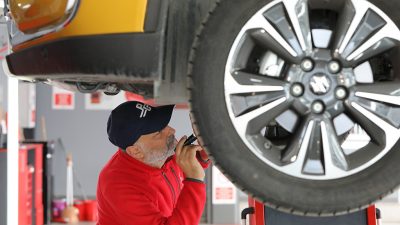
[(146, 182)]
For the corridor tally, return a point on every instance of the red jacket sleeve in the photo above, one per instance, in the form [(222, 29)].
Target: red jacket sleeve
[(134, 207)]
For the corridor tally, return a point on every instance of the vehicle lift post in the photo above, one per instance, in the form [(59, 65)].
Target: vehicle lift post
[(260, 214)]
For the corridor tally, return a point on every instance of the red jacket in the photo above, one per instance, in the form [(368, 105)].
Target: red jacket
[(131, 192)]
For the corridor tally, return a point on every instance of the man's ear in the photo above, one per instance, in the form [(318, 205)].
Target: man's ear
[(135, 152)]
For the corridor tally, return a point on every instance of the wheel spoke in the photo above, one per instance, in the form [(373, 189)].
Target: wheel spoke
[(272, 36), (323, 154), (387, 112), (267, 41), (334, 159), (252, 122), (313, 163), (288, 36), (380, 131), (299, 18), (248, 91), (345, 29), (371, 23), (373, 130), (241, 83), (290, 153), (385, 92), (380, 42), (296, 153), (368, 34)]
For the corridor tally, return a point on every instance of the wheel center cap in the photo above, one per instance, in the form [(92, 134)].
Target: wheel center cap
[(320, 84)]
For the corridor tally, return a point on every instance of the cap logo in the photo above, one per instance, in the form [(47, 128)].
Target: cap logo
[(144, 109)]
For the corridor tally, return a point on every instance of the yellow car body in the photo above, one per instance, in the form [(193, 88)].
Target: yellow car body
[(89, 19), (141, 46)]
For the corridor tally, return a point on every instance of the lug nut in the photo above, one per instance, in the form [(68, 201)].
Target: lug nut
[(341, 93), (307, 65), (334, 67), (317, 107), (297, 90)]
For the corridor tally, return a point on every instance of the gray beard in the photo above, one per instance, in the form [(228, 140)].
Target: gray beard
[(158, 158)]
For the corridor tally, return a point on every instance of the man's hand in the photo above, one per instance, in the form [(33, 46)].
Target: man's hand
[(186, 159)]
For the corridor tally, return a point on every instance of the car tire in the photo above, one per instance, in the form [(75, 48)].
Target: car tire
[(212, 113)]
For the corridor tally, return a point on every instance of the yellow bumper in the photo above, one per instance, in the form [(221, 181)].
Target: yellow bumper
[(95, 17)]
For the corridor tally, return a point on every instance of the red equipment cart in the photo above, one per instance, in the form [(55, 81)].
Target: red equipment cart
[(260, 214)]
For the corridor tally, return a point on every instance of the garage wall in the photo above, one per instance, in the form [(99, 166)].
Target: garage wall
[(84, 134), (3, 90), (3, 78)]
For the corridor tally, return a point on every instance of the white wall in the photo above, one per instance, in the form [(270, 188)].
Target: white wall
[(83, 133)]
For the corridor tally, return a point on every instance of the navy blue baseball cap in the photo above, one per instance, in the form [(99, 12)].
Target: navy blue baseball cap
[(132, 119)]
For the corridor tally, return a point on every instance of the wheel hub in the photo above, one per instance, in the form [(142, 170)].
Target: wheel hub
[(318, 81)]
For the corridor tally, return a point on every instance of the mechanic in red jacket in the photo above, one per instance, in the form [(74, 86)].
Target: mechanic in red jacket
[(146, 182)]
